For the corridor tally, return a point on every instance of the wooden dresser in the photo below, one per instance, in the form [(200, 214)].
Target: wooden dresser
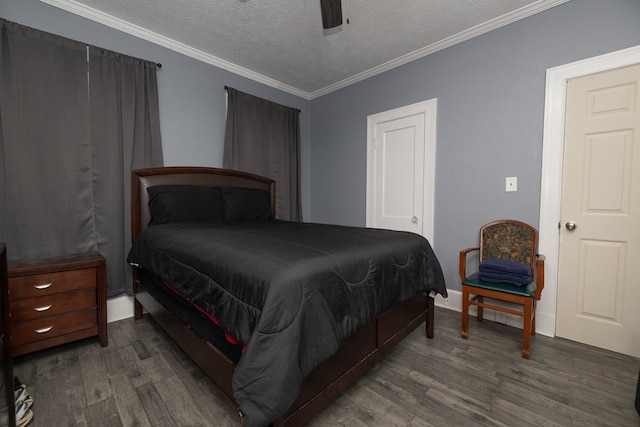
[(7, 398), (57, 300)]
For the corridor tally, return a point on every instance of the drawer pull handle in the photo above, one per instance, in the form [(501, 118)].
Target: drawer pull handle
[(45, 286), (43, 330), (43, 308)]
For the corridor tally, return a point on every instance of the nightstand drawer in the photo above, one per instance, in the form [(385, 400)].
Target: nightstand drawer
[(51, 283), (51, 305), (56, 300), (52, 326)]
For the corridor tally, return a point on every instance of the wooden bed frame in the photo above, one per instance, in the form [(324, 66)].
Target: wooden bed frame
[(327, 380)]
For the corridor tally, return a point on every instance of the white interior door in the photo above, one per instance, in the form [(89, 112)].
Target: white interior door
[(400, 170), (598, 286)]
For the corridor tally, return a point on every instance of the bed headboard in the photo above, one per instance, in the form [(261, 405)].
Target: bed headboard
[(141, 179)]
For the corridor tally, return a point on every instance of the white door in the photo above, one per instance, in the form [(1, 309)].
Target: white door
[(400, 169), (599, 258)]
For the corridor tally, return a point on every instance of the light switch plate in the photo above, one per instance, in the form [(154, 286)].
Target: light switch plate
[(511, 183)]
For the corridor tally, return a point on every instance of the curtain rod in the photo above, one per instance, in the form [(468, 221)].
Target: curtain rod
[(22, 27)]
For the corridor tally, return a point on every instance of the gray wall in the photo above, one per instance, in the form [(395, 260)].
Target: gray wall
[(191, 92), (490, 93)]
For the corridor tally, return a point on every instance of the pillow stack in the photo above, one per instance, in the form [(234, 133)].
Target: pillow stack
[(180, 203), (505, 271)]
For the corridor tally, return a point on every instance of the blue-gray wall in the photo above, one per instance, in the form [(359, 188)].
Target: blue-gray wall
[(490, 93), (191, 92)]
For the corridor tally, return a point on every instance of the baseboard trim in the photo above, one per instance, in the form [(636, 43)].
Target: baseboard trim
[(119, 308)]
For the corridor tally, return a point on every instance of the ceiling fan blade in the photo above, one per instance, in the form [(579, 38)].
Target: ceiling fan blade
[(331, 13)]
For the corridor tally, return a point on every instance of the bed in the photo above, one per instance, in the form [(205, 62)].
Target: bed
[(282, 316)]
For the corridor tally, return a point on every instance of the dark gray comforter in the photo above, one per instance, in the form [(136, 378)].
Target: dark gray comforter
[(291, 291)]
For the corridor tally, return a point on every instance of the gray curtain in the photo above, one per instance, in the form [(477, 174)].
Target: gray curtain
[(263, 138), (44, 143), (125, 135), (69, 136)]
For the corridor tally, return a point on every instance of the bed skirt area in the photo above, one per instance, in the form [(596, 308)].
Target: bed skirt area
[(361, 351)]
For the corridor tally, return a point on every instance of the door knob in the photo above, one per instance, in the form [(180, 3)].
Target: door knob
[(414, 220), (570, 225)]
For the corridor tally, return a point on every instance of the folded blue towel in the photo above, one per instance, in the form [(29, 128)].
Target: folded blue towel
[(512, 279), (505, 271), (505, 266)]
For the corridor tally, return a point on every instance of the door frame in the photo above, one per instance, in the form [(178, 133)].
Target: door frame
[(429, 109), (552, 163)]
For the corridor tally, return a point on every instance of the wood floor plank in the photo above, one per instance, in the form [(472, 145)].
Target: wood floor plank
[(127, 403), (202, 391), (397, 388), (121, 333), (143, 379), (95, 375), (59, 406), (104, 413), (154, 407), (478, 388), (375, 408), (512, 414), (584, 400), (458, 400), (141, 349), (535, 401), (179, 403), (537, 379), (341, 413), (151, 369)]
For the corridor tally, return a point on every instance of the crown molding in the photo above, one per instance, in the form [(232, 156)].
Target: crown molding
[(476, 31), (145, 34), (126, 27)]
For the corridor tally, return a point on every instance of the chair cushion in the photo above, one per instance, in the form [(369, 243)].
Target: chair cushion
[(528, 290)]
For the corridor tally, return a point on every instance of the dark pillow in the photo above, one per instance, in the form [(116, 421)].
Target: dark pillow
[(245, 203), (178, 203)]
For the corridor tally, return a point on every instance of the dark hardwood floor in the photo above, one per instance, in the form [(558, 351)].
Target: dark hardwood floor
[(143, 379)]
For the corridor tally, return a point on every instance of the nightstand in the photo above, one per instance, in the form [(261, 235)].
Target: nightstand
[(57, 300)]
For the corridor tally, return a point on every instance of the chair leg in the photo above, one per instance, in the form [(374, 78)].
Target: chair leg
[(533, 319), (465, 312), (480, 300), (526, 333)]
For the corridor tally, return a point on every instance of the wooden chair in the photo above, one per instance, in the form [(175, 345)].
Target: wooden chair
[(510, 240)]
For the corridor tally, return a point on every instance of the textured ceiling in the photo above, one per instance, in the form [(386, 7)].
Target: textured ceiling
[(283, 43)]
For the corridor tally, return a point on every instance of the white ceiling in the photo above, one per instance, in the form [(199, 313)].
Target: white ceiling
[(281, 42)]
